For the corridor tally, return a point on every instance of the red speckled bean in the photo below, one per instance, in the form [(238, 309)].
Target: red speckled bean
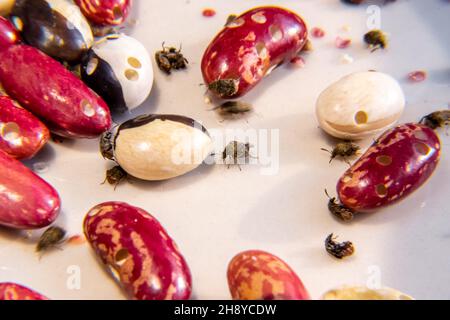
[(105, 12), (43, 86), (12, 291), (138, 251), (258, 275), (249, 47), (400, 162), (22, 135), (26, 201), (8, 34)]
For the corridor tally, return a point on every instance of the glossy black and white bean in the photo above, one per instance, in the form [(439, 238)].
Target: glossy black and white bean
[(56, 27), (119, 69), (161, 147)]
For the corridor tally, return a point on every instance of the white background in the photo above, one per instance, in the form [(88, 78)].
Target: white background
[(215, 213)]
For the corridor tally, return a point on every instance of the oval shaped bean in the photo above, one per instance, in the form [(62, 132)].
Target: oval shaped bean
[(258, 275), (44, 87), (55, 27), (364, 293), (22, 135), (26, 201), (8, 34), (360, 105), (398, 163), (138, 251), (249, 48), (105, 12), (13, 291), (159, 147)]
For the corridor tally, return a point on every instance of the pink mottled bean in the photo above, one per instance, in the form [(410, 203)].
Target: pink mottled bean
[(12, 291), (397, 164), (22, 135), (105, 12), (249, 47), (47, 89), (138, 252), (26, 201)]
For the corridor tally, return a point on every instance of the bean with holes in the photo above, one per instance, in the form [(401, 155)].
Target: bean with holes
[(249, 48), (258, 275), (119, 69), (52, 93), (26, 201), (56, 27), (398, 163), (105, 12), (359, 105), (13, 291), (138, 252), (8, 33), (22, 135)]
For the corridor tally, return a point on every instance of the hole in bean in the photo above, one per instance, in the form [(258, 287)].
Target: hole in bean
[(236, 23), (261, 50), (121, 256), (10, 131), (118, 14), (420, 135), (422, 148), (134, 62), (259, 17), (382, 190), (132, 75), (91, 66), (361, 117), (87, 108), (384, 160), (275, 32)]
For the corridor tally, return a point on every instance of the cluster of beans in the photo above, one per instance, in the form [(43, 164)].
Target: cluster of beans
[(57, 77)]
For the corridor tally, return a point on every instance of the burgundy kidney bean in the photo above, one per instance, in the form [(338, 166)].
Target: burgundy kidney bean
[(12, 291), (398, 163), (22, 135), (105, 12), (26, 201), (249, 47), (8, 34), (138, 252), (47, 89)]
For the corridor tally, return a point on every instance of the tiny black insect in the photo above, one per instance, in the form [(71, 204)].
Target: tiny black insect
[(237, 153), (437, 119), (344, 150), (234, 107), (115, 176), (224, 88), (106, 145), (170, 58), (376, 39), (50, 238), (230, 19), (338, 210), (339, 250)]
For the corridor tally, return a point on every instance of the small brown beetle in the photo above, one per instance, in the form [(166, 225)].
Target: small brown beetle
[(236, 153), (234, 107), (339, 250), (170, 58), (376, 39), (224, 87), (50, 238), (338, 210), (344, 150), (437, 119), (115, 176)]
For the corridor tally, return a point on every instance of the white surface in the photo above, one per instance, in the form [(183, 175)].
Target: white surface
[(214, 213)]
